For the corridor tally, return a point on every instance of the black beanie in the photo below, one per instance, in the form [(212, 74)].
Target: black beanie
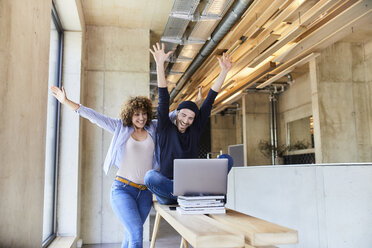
[(189, 105)]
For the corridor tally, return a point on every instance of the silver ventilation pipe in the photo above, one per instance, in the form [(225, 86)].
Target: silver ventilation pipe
[(237, 10), (273, 128)]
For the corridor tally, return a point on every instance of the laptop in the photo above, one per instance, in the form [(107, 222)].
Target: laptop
[(193, 177)]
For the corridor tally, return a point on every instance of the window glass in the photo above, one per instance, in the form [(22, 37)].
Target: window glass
[(49, 212)]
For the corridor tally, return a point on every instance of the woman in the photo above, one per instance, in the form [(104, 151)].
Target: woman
[(132, 151)]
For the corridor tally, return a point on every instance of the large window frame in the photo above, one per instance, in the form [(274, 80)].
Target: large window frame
[(54, 146)]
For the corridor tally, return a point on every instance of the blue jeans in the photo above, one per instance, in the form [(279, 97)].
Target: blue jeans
[(161, 187), (131, 206)]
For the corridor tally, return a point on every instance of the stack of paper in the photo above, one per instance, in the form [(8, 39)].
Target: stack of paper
[(211, 204)]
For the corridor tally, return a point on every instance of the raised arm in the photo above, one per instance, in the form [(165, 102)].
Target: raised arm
[(160, 56), (163, 106), (225, 64), (100, 120), (60, 95), (199, 99)]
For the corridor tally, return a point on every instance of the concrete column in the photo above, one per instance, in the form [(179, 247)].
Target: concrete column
[(24, 55), (368, 78), (344, 104)]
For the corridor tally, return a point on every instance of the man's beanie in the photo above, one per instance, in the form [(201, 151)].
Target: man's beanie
[(189, 105)]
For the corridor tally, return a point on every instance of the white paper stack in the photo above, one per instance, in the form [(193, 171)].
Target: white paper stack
[(211, 204)]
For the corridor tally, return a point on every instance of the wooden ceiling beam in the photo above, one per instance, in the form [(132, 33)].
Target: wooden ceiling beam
[(253, 17), (210, 67), (233, 37), (346, 18), (365, 19), (262, 19), (296, 30), (255, 30), (247, 19), (317, 26), (240, 65), (332, 13), (288, 70), (241, 81)]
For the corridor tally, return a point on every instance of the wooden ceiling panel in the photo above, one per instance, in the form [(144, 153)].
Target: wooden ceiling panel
[(272, 36)]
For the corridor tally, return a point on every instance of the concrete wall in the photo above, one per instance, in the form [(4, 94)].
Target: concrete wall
[(223, 133), (329, 205), (24, 54), (368, 79), (258, 126), (117, 67), (228, 129), (344, 81)]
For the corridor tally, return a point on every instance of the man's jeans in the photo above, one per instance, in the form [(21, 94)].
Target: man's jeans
[(161, 187), (131, 206)]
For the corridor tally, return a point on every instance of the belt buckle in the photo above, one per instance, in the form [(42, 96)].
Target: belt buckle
[(142, 187)]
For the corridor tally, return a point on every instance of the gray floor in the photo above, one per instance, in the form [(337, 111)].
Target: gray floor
[(167, 237)]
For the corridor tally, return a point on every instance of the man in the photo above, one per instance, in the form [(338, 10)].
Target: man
[(179, 139)]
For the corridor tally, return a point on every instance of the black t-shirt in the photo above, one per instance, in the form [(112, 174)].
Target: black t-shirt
[(172, 144)]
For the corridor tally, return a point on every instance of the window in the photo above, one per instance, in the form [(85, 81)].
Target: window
[(300, 134), (51, 149)]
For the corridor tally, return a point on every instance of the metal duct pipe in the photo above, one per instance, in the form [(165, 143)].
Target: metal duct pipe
[(273, 128), (225, 25), (290, 79)]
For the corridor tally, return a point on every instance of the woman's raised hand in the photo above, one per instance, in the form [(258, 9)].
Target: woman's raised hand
[(159, 54), (59, 94), (62, 98)]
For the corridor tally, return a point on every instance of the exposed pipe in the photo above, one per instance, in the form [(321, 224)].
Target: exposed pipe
[(237, 10), (290, 79), (273, 128)]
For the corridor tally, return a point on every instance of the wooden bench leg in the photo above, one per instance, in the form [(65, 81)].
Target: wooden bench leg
[(184, 243), (155, 231)]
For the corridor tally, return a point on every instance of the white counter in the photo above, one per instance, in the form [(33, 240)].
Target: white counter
[(330, 205)]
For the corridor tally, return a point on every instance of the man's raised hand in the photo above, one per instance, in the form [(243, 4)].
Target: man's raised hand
[(225, 62), (159, 54)]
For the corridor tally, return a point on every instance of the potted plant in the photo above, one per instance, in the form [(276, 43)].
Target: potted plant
[(299, 145), (266, 149)]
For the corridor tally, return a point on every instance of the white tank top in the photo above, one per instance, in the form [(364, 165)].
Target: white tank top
[(137, 160)]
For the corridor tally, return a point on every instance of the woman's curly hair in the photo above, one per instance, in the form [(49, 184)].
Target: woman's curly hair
[(134, 104)]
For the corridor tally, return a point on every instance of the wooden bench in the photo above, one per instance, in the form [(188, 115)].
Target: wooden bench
[(233, 229)]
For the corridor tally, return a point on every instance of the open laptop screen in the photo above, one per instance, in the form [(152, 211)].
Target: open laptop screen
[(200, 176)]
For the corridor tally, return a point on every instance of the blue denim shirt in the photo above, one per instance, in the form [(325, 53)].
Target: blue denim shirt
[(121, 133)]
